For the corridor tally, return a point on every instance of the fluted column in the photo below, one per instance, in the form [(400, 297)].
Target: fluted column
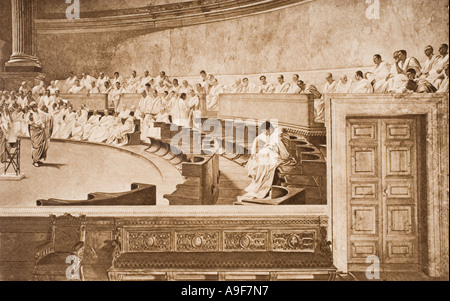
[(23, 56)]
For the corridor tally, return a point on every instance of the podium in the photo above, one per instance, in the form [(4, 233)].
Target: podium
[(11, 168)]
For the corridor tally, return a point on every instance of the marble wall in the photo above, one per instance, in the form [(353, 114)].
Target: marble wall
[(317, 36)]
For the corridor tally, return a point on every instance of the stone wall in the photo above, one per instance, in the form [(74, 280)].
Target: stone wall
[(318, 35)]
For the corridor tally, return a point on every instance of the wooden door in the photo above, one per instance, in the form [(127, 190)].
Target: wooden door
[(383, 193)]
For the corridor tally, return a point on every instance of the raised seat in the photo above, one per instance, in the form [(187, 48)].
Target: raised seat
[(93, 102), (201, 187), (280, 196), (140, 195), (68, 235)]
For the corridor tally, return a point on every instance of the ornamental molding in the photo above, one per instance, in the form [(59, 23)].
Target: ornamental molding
[(157, 18)]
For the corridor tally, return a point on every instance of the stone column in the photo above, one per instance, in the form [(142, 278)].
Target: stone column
[(23, 58)]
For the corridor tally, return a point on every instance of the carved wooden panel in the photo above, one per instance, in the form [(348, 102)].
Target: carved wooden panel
[(400, 189), (245, 241), (400, 220), (362, 249), (364, 190), (197, 241), (398, 161), (364, 161), (398, 130), (401, 251), (364, 220), (294, 241), (364, 131), (146, 241)]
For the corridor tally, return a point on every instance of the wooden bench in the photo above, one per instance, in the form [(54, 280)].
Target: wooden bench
[(294, 112), (93, 102), (130, 100)]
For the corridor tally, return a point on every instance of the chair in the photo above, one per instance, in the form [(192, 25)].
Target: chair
[(68, 235)]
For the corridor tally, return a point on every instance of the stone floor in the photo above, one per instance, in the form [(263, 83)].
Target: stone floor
[(360, 276), (72, 171)]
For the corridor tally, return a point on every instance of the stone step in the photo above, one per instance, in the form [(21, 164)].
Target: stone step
[(230, 193), (233, 184), (291, 170), (301, 181)]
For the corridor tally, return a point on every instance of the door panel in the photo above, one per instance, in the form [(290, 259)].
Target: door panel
[(364, 220), (360, 250), (364, 161), (398, 161), (400, 220), (364, 190)]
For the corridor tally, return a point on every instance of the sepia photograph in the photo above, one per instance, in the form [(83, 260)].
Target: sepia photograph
[(224, 141)]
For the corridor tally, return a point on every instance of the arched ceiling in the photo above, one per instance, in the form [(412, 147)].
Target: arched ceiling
[(151, 17)]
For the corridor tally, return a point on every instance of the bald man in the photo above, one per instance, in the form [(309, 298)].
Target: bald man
[(330, 86), (345, 85), (429, 63), (133, 83), (377, 76), (437, 74)]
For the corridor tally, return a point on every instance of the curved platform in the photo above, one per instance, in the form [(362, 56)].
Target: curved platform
[(73, 172)]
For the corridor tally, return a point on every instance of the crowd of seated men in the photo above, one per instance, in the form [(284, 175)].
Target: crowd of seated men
[(430, 76), (165, 100), (65, 122), (154, 106)]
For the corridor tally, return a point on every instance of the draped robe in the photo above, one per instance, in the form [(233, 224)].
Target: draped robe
[(133, 84), (438, 70), (119, 135), (263, 163), (212, 97), (362, 86), (179, 112), (344, 88), (319, 103), (378, 76), (3, 131), (194, 112), (397, 79), (78, 128), (58, 122), (68, 125), (443, 86), (294, 89), (267, 88), (101, 132), (76, 89), (115, 96), (39, 136), (282, 88), (91, 124)]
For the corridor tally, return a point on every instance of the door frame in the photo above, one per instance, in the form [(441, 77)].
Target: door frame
[(434, 108)]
